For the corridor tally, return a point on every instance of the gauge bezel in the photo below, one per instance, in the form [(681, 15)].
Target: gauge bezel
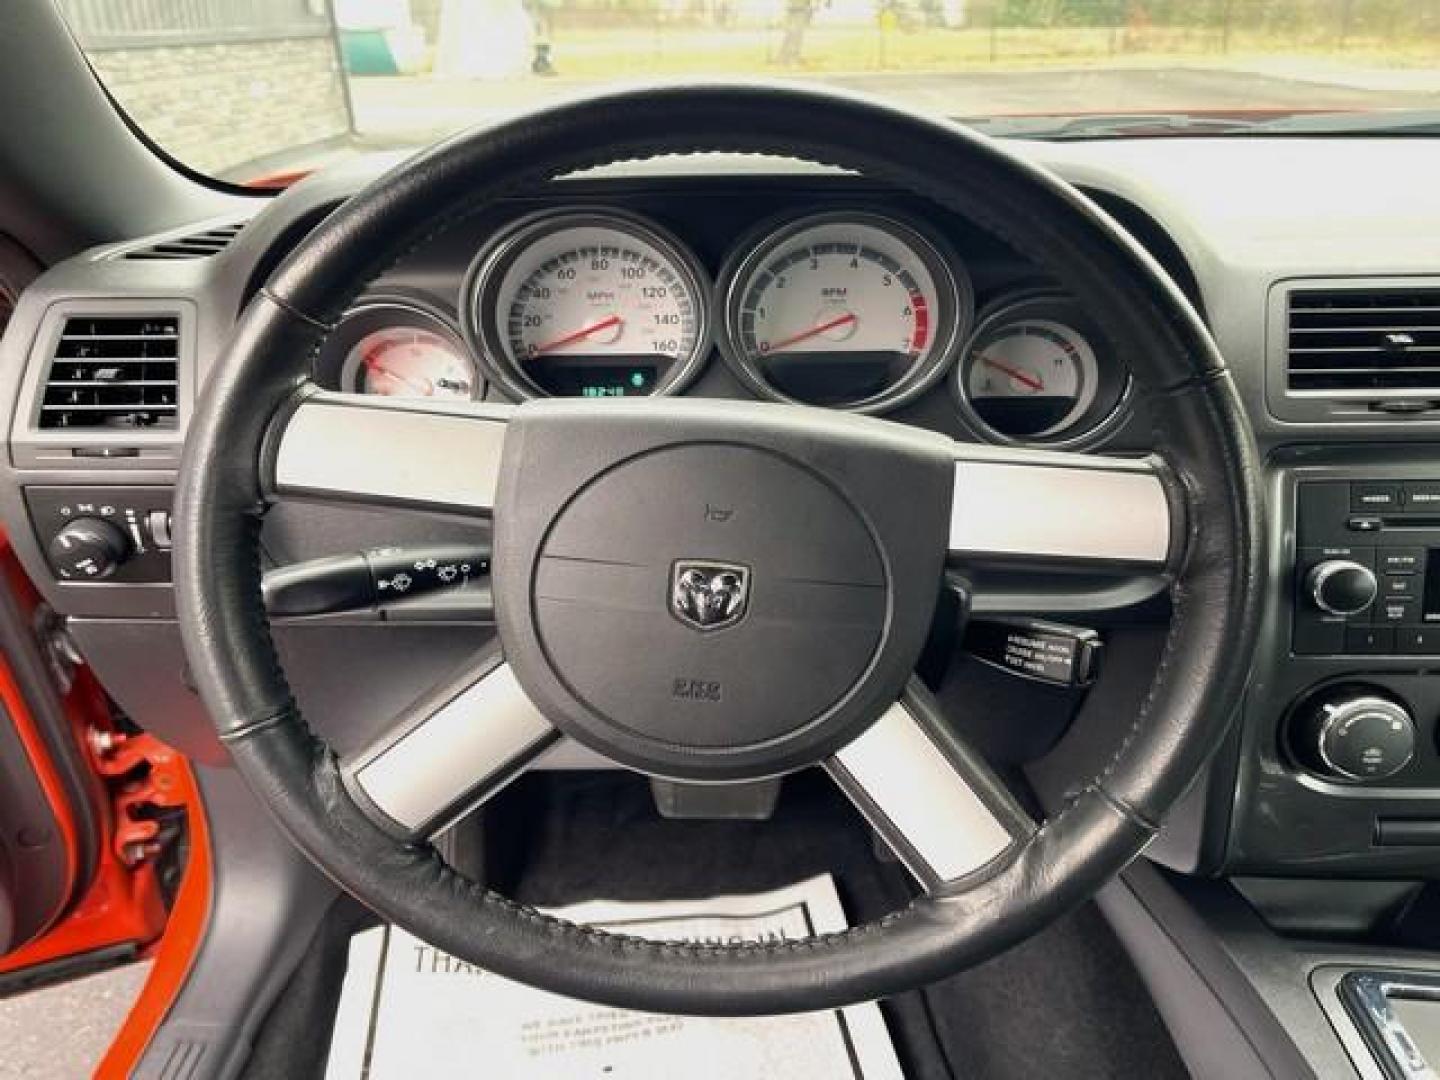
[(1101, 419), (486, 273), (954, 301), (333, 364)]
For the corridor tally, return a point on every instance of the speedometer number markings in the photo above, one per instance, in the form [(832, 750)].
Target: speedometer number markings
[(590, 305)]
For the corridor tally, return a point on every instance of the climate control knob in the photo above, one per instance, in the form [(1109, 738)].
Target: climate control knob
[(1354, 735), (1341, 586), (88, 549)]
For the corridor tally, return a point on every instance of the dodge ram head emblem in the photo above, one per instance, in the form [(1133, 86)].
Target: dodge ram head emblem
[(708, 596)]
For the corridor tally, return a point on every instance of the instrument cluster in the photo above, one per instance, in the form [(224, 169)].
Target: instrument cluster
[(858, 309)]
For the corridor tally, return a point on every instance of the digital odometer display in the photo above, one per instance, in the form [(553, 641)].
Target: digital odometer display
[(599, 380), (594, 305)]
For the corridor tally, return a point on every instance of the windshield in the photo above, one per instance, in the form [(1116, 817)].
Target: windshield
[(259, 91)]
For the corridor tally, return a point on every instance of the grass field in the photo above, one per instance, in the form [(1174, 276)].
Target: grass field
[(663, 49)]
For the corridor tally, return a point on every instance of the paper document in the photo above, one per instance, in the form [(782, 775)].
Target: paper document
[(408, 1010)]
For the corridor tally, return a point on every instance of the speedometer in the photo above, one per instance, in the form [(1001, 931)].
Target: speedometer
[(588, 304), (849, 309)]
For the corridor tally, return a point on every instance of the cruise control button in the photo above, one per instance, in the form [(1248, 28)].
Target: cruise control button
[(1417, 640), (1400, 560), (1369, 639), (1399, 585), (1374, 497)]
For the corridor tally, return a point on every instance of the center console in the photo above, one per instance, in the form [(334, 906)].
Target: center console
[(1368, 567), (1338, 756)]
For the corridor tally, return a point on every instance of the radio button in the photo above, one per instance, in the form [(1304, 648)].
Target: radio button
[(1395, 610), (1369, 639), (1364, 523), (1401, 560), (1375, 497), (1417, 640), (1319, 637), (1422, 496), (1341, 586), (1399, 585)]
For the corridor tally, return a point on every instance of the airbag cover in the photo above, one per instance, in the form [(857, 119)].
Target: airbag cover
[(710, 600)]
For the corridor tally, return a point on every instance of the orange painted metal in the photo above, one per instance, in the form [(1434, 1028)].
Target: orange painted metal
[(176, 950), (14, 579), (124, 903)]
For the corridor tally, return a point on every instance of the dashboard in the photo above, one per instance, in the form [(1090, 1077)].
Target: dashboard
[(1313, 261), (838, 296)]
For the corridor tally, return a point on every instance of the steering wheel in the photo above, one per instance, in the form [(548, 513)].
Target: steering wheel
[(823, 564)]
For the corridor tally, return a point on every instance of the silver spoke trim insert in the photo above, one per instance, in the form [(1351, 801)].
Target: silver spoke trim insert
[(919, 801), (1048, 505), (457, 756), (407, 453)]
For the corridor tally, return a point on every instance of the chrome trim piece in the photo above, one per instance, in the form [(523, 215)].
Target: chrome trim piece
[(1367, 996), (709, 595), (912, 793), (1315, 585), (458, 756), (1048, 505), (428, 454)]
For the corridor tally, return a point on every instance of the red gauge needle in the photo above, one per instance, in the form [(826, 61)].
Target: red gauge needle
[(1015, 373), (805, 335), (577, 335), (424, 386)]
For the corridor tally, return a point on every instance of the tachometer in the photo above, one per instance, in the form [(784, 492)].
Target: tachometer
[(588, 304), (1035, 372), (848, 309)]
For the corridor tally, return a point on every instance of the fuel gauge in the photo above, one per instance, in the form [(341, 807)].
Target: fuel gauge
[(398, 346)]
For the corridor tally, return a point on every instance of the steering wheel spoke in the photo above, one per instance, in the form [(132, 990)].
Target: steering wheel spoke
[(938, 806), (454, 749), (388, 452), (1043, 508)]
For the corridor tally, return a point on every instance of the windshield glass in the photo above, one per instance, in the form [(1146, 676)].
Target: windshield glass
[(262, 90)]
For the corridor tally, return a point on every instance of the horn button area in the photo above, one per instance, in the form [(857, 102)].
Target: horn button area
[(715, 594)]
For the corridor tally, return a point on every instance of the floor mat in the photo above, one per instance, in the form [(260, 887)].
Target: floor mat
[(410, 1009), (1066, 1003)]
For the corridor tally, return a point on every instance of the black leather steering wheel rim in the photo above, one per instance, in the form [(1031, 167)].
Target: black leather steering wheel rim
[(1201, 434)]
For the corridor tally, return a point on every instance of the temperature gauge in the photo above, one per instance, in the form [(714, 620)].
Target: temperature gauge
[(1031, 373)]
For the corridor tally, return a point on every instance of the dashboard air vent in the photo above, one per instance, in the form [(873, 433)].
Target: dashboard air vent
[(1353, 342), (200, 245), (113, 372)]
